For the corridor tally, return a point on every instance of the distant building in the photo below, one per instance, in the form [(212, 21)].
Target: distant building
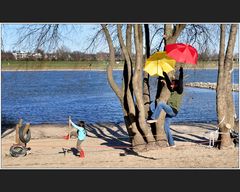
[(20, 55), (37, 55)]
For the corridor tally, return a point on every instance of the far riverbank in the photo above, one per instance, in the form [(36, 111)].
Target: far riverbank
[(93, 69), (86, 65)]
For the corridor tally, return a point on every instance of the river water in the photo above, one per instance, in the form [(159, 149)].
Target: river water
[(51, 96)]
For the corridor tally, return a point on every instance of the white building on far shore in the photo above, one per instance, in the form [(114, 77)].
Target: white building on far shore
[(19, 55)]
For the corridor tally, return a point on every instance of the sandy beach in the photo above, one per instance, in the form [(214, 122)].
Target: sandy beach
[(107, 146)]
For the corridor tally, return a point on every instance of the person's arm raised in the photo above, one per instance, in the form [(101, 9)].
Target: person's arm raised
[(180, 81), (168, 82)]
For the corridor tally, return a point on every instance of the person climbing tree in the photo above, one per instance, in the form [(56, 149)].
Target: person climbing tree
[(172, 106)]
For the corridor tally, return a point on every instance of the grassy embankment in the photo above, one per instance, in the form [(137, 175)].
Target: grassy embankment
[(83, 65), (56, 65)]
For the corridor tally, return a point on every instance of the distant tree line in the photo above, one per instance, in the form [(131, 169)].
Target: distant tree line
[(207, 56), (64, 54), (61, 54)]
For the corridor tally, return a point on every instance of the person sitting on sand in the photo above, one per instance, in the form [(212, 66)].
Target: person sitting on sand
[(81, 135), (172, 106)]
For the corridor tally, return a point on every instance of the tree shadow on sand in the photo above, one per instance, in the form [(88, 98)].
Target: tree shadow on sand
[(195, 136), (114, 136)]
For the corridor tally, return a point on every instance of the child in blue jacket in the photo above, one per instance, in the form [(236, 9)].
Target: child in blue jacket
[(81, 135)]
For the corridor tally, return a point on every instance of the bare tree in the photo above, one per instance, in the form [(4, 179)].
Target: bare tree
[(135, 95), (7, 56), (44, 36), (38, 35), (131, 97), (224, 97), (63, 53)]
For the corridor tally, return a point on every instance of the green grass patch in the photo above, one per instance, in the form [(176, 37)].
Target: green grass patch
[(45, 65)]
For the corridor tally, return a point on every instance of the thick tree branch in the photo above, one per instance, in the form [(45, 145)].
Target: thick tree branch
[(111, 81)]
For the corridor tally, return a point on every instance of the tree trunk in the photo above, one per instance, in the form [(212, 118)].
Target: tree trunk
[(130, 117), (137, 87), (128, 107), (221, 83), (228, 72), (172, 33), (111, 81), (224, 98)]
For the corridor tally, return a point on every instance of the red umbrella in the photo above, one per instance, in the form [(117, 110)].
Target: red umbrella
[(183, 53)]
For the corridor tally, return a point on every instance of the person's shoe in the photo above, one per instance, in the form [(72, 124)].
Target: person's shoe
[(81, 154), (172, 146), (151, 120), (67, 137)]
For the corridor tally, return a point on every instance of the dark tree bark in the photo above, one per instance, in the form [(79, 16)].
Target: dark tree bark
[(130, 116), (137, 87), (146, 86)]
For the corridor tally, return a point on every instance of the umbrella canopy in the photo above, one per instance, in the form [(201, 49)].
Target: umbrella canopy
[(183, 53), (159, 62)]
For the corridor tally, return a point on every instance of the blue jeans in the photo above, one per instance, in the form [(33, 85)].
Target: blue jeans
[(169, 114)]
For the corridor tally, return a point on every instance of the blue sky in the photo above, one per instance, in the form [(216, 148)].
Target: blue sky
[(75, 39)]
